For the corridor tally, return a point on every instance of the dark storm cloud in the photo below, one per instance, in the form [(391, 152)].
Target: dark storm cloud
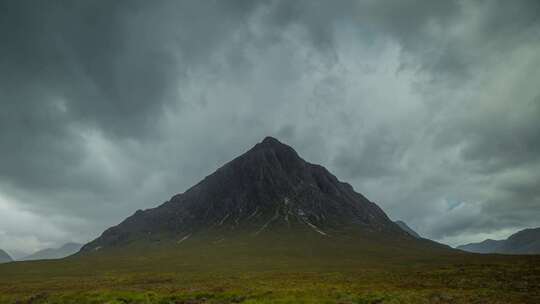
[(77, 70), (373, 156), (429, 108), (511, 139), (82, 55), (112, 66)]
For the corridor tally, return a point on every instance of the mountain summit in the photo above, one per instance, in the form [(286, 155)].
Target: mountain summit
[(267, 189)]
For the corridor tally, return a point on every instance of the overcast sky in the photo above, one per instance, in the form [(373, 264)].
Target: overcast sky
[(429, 108)]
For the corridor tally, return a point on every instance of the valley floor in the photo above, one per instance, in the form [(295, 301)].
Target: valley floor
[(247, 272), (495, 280)]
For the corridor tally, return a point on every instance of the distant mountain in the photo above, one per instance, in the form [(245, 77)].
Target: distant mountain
[(523, 242), (54, 253), (486, 246), (407, 229), (269, 190), (4, 257), (16, 255)]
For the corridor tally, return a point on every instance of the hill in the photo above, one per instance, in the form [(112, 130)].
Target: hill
[(54, 253), (526, 241)]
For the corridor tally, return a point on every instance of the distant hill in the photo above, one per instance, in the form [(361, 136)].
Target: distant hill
[(54, 253), (407, 229), (523, 242), (4, 257), (486, 246)]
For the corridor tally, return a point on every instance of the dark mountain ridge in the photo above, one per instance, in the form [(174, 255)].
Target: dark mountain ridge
[(526, 241), (268, 188)]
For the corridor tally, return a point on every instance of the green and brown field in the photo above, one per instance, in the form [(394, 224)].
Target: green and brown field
[(268, 270)]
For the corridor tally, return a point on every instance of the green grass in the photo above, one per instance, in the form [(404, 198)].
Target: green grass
[(270, 270)]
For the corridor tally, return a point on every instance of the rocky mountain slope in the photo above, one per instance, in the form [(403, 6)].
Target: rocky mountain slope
[(523, 242), (407, 229)]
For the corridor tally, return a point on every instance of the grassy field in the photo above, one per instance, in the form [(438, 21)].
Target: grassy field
[(271, 271)]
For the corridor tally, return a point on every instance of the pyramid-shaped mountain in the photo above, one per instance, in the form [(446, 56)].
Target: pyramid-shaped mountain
[(267, 189)]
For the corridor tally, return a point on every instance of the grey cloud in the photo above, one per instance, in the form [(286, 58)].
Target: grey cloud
[(510, 140), (375, 155), (112, 64), (72, 66)]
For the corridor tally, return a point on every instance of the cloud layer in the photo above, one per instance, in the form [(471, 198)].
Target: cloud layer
[(430, 109)]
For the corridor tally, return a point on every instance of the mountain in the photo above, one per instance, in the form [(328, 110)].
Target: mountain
[(269, 191), (486, 246), (523, 242), (54, 253), (407, 229), (17, 254), (4, 257)]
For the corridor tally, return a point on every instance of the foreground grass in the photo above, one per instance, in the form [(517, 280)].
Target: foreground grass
[(231, 273), (484, 283)]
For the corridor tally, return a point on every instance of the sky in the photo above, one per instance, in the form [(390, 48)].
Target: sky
[(431, 109)]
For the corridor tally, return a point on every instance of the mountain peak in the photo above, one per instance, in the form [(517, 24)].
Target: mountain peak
[(268, 157), (268, 188), (271, 140), (271, 143)]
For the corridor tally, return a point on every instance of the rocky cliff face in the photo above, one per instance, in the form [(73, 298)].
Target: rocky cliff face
[(269, 187)]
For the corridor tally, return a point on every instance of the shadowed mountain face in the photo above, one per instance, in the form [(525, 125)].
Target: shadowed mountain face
[(407, 229), (267, 189), (4, 257), (523, 242), (54, 253)]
